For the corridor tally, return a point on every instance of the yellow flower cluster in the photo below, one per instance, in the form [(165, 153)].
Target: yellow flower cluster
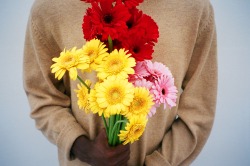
[(113, 94)]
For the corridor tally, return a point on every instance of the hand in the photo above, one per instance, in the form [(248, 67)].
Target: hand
[(99, 153)]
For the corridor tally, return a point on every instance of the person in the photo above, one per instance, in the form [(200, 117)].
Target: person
[(187, 45)]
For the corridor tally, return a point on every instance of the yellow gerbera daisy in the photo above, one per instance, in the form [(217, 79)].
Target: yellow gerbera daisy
[(118, 63), (133, 130), (93, 105), (82, 95), (69, 60), (114, 95), (96, 51), (141, 103)]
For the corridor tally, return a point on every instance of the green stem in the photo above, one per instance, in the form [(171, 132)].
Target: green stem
[(110, 42), (118, 122), (111, 124), (105, 124), (80, 79), (124, 124), (116, 130), (123, 127)]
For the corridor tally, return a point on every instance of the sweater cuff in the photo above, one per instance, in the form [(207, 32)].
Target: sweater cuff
[(67, 137), (156, 159)]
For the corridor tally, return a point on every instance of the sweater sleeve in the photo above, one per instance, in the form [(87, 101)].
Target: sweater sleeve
[(48, 98), (197, 103)]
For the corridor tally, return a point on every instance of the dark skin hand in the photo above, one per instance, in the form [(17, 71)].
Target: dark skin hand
[(99, 153)]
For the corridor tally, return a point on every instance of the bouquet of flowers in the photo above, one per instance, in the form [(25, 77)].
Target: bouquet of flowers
[(119, 47)]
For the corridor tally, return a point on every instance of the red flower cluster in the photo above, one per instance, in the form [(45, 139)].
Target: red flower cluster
[(128, 27)]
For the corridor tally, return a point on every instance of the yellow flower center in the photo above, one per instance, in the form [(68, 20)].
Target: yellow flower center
[(114, 96), (115, 66), (135, 131), (138, 105), (139, 102), (92, 55), (68, 61)]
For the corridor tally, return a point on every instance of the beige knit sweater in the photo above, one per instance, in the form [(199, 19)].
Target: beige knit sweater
[(187, 45)]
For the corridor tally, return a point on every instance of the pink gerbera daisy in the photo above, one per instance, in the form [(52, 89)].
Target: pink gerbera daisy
[(143, 83), (156, 70), (165, 92), (140, 71)]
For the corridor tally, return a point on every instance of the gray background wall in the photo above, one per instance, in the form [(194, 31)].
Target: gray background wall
[(229, 144)]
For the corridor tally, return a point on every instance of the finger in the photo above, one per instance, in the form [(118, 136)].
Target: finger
[(122, 158), (102, 137), (122, 148), (102, 134)]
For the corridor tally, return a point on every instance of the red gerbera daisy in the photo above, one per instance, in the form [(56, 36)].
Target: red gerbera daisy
[(151, 32), (139, 49), (136, 15), (130, 3), (142, 26), (104, 19), (87, 26), (90, 1)]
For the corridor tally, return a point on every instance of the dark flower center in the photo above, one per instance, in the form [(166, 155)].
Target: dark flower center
[(108, 18), (98, 36), (129, 24), (136, 50), (163, 91)]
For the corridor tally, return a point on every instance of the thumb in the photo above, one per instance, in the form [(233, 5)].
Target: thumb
[(102, 135), (101, 139)]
